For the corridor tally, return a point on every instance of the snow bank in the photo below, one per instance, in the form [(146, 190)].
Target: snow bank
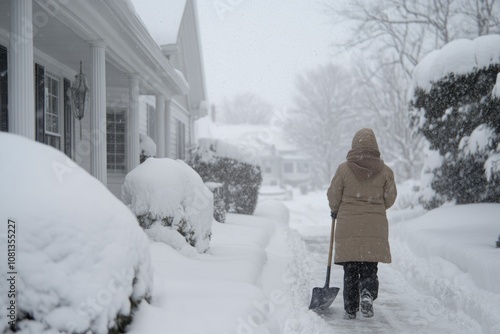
[(172, 194), (81, 254), (457, 261), (460, 56), (273, 209)]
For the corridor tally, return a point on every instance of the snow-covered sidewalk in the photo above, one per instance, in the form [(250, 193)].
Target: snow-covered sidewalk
[(239, 286)]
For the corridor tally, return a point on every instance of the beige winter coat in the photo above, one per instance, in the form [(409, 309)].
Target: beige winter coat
[(361, 190)]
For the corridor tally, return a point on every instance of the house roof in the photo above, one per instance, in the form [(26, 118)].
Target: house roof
[(130, 49), (262, 136), (161, 18)]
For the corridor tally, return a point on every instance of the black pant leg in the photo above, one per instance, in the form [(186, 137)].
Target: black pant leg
[(368, 278), (351, 287)]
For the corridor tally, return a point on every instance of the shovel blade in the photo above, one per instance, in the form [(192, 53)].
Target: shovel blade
[(322, 298)]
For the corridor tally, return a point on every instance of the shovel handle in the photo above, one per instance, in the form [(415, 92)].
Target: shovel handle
[(330, 252), (332, 235)]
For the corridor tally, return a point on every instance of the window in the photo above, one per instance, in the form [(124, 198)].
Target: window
[(268, 167), (288, 167), (53, 116), (151, 121), (115, 137), (303, 167), (181, 140), (4, 120)]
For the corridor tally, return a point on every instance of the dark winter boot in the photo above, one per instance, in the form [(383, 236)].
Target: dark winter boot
[(349, 316), (366, 304)]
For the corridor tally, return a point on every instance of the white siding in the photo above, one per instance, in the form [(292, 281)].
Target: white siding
[(178, 113)]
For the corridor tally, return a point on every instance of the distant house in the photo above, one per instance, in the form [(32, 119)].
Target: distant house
[(283, 167), (42, 44), (281, 162)]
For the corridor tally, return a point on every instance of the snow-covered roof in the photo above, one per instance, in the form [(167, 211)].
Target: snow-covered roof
[(256, 135), (161, 18), (459, 56)]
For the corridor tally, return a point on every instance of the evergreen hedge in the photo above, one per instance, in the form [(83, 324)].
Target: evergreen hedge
[(455, 106), (241, 181)]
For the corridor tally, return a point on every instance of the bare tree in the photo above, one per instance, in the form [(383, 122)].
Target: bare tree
[(406, 30), (322, 113), (383, 98), (246, 108), (397, 34), (482, 16)]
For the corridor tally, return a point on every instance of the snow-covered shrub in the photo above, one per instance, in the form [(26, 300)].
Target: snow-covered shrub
[(83, 263), (453, 107), (148, 147), (241, 180), (169, 193)]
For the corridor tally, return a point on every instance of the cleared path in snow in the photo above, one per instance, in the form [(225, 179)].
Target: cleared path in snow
[(400, 308)]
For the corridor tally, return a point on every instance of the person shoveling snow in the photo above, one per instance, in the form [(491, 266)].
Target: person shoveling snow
[(361, 191)]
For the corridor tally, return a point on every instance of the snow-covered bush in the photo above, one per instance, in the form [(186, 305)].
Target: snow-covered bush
[(241, 179), (148, 147), (169, 193), (453, 107), (83, 263)]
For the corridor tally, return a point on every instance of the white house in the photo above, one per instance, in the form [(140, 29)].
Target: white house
[(42, 44), (282, 164)]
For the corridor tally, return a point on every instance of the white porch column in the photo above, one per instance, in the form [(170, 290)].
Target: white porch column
[(160, 126), (98, 155), (168, 128), (133, 147), (21, 72)]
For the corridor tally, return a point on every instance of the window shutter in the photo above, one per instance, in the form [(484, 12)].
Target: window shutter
[(4, 91), (68, 129), (40, 103)]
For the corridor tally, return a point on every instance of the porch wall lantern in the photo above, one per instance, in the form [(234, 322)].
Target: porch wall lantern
[(79, 97)]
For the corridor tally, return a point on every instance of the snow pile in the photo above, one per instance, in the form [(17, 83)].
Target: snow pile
[(460, 56), (170, 193), (147, 144), (82, 258), (299, 275), (456, 259)]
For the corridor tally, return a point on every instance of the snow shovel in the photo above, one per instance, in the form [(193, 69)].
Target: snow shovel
[(322, 298)]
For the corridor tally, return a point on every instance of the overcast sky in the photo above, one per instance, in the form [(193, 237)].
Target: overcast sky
[(259, 46)]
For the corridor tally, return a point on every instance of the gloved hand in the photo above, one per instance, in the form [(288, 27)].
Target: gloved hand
[(333, 215)]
